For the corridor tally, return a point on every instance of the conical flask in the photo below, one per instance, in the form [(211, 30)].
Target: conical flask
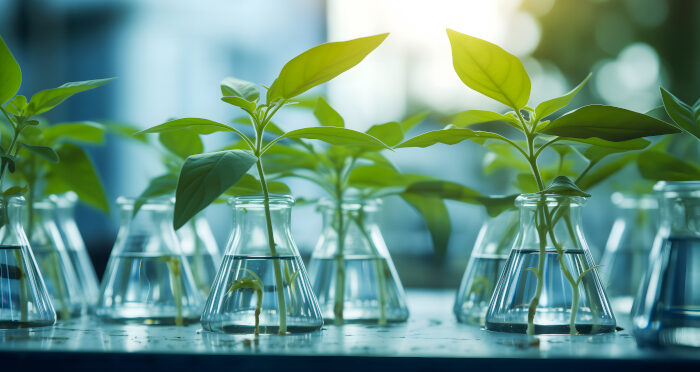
[(54, 260), (148, 280), (487, 259), (549, 284), (627, 250), (201, 251), (24, 301), (354, 277), (259, 289), (75, 246), (667, 307)]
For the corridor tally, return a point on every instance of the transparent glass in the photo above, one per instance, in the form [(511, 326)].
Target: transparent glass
[(667, 307), (259, 289), (148, 280), (54, 260), (75, 246), (627, 250), (354, 277), (487, 259), (549, 284), (201, 251), (24, 301)]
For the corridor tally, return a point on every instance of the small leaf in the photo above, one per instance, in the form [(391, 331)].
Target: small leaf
[(551, 106), (660, 166), (182, 143), (326, 115), (469, 117), (10, 74), (436, 217), (247, 106), (389, 133), (15, 190), (334, 136), (413, 120), (490, 70), (319, 65), (449, 136), (249, 185), (199, 126), (10, 161), (17, 105), (159, 186), (603, 171), (43, 151), (686, 117), (75, 172), (563, 186), (245, 90), (86, 132), (47, 99), (206, 176)]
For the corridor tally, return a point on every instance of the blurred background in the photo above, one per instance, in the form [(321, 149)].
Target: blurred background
[(170, 56)]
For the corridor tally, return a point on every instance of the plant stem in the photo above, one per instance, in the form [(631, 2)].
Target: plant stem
[(176, 282), (339, 256), (532, 309)]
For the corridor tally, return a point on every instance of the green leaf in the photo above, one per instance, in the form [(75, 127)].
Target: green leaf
[(9, 160), (603, 171), (245, 90), (249, 185), (334, 136), (161, 185), (17, 105), (326, 115), (75, 172), (199, 126), (375, 176), (15, 190), (182, 143), (606, 122), (389, 133), (660, 166), (490, 70), (563, 186), (43, 151), (503, 156), (206, 176), (413, 120), (600, 149), (319, 65), (247, 106), (551, 106), (10, 74), (449, 136), (126, 130), (685, 116), (86, 132), (469, 117), (47, 99), (434, 212)]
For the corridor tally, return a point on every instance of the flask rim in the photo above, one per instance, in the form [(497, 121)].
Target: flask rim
[(258, 200), (158, 202), (351, 204), (535, 199), (66, 200), (627, 200), (672, 189)]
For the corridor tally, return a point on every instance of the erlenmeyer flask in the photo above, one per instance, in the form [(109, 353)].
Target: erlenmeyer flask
[(75, 246), (549, 284), (258, 289), (354, 278), (201, 251), (24, 301), (487, 259), (54, 261), (148, 280), (627, 250), (667, 307)]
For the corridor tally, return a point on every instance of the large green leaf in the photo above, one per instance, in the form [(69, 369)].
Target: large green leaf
[(449, 136), (43, 151), (334, 136), (551, 106), (326, 115), (206, 176), (375, 177), (434, 212), (75, 172), (182, 143), (161, 185), (319, 65), (490, 70), (469, 117), (246, 90), (86, 132), (10, 74), (686, 117), (603, 171), (199, 126), (607, 122), (600, 149), (389, 133), (47, 99), (658, 165)]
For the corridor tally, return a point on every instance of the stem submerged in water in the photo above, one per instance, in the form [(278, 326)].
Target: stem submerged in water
[(340, 260)]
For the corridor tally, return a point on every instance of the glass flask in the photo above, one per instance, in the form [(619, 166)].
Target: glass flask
[(627, 250), (201, 251), (354, 277), (148, 280), (667, 306), (487, 259), (260, 289), (54, 260), (75, 246), (549, 284), (24, 301)]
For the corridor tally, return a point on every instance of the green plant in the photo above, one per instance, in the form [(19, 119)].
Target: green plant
[(205, 177), (604, 130)]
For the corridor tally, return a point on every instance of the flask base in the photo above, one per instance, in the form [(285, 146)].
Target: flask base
[(550, 329)]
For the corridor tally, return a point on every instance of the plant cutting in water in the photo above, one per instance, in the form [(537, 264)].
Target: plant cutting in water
[(603, 130), (205, 177)]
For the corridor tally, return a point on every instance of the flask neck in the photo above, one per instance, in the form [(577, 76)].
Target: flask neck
[(680, 207), (361, 213), (554, 220), (11, 227), (252, 228), (153, 214)]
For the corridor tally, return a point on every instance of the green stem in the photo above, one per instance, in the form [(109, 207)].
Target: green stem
[(175, 280), (339, 302), (542, 232)]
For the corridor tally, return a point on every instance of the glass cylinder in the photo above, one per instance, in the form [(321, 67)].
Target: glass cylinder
[(486, 262), (54, 261), (148, 280), (261, 287), (201, 251), (354, 277), (24, 301), (75, 246), (549, 284), (627, 250), (667, 307)]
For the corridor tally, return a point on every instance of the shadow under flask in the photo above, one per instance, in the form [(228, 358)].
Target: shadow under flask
[(667, 306), (201, 251), (354, 277), (626, 255), (24, 301), (491, 250), (54, 261), (75, 246), (148, 280), (549, 284), (259, 288)]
